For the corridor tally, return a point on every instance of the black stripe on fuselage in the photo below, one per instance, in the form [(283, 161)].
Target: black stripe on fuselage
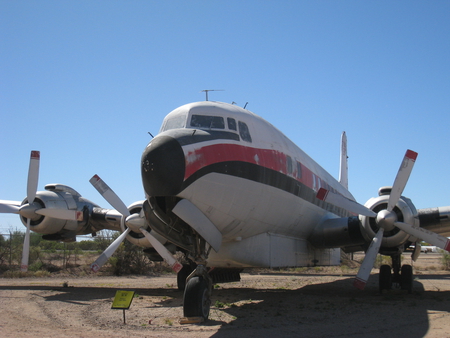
[(265, 176)]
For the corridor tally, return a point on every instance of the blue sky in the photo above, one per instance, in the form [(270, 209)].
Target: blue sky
[(85, 81)]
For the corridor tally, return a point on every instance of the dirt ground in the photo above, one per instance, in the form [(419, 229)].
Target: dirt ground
[(314, 302)]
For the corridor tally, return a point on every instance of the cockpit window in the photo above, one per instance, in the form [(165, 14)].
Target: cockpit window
[(244, 132), (208, 122), (231, 123), (175, 122)]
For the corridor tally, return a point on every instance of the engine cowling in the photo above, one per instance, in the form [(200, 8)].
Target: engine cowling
[(406, 212), (61, 197)]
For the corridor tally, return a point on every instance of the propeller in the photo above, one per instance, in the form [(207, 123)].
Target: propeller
[(30, 210), (110, 196), (134, 222), (386, 219), (33, 176)]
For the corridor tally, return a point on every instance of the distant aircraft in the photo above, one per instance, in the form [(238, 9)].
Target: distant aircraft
[(229, 190)]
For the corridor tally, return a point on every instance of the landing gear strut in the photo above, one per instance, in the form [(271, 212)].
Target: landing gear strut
[(182, 276), (402, 275)]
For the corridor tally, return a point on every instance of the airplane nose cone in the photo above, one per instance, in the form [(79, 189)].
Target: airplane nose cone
[(162, 167)]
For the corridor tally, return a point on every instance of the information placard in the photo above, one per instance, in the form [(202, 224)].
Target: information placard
[(122, 300)]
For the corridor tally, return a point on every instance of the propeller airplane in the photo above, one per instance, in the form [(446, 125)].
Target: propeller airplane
[(228, 190)]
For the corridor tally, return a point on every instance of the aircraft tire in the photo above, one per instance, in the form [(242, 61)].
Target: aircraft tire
[(196, 300), (385, 278), (406, 278)]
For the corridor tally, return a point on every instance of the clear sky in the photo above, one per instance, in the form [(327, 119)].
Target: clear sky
[(85, 81)]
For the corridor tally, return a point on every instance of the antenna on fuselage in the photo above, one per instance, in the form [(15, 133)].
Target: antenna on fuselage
[(211, 90)]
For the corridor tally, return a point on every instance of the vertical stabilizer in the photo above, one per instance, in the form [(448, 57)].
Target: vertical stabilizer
[(343, 172)]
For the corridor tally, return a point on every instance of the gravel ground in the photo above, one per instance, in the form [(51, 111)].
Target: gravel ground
[(315, 302)]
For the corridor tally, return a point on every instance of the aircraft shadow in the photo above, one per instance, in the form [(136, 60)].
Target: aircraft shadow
[(332, 309)]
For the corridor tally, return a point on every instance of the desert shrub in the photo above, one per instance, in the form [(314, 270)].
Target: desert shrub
[(445, 260), (129, 260)]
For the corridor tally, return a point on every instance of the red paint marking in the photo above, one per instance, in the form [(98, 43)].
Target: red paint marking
[(271, 159), (35, 155), (359, 283), (97, 178), (411, 154), (79, 216), (322, 194), (177, 266), (95, 267), (447, 246)]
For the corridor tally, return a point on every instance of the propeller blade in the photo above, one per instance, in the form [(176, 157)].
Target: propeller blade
[(162, 251), (369, 260), (26, 248), (33, 175), (402, 178), (109, 195), (101, 260), (9, 207), (69, 215), (425, 235), (343, 202)]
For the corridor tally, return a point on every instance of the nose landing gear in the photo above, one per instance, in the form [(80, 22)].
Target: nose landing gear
[(197, 294), (398, 274)]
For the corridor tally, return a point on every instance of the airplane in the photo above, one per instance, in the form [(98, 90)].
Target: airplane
[(228, 190)]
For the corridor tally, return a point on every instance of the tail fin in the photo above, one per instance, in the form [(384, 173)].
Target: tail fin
[(343, 172)]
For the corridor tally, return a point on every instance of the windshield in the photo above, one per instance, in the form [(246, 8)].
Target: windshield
[(209, 122), (175, 122)]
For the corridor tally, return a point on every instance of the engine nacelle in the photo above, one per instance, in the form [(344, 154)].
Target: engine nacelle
[(58, 196), (406, 212)]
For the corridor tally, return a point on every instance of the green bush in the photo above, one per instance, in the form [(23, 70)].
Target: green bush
[(446, 260)]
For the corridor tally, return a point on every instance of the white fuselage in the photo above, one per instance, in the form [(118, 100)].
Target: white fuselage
[(255, 185)]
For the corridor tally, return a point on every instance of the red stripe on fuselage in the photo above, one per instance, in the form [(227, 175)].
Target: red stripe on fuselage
[(271, 159)]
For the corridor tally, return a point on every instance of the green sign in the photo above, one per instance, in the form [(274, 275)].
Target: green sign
[(122, 300)]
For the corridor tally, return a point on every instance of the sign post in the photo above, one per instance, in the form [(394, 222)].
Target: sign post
[(122, 300)]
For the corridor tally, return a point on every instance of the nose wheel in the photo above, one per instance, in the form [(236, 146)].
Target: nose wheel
[(197, 294), (399, 275)]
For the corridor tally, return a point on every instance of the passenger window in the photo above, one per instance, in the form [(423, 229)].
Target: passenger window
[(244, 132), (209, 122), (299, 170), (231, 124), (289, 164)]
